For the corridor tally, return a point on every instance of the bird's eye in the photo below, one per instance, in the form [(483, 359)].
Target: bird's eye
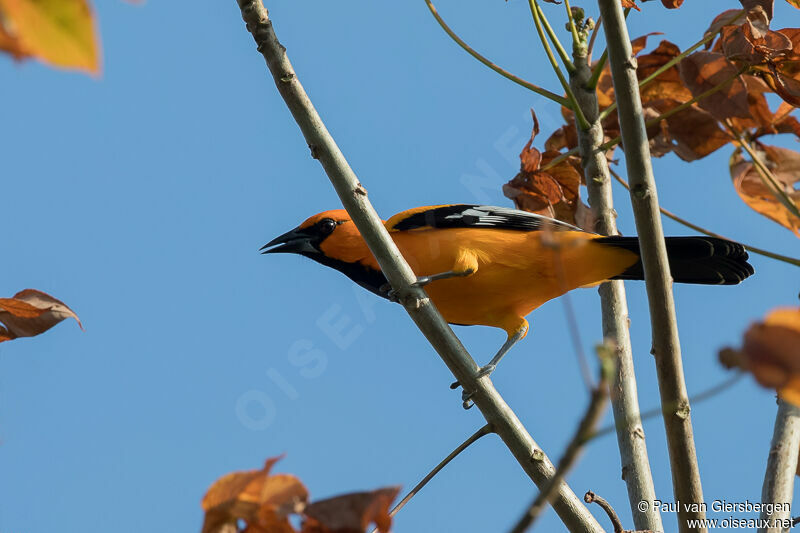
[(327, 226)]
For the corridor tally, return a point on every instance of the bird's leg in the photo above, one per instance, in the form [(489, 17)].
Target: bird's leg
[(492, 365), (393, 295)]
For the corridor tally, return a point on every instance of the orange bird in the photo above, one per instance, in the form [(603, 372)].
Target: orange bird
[(492, 266)]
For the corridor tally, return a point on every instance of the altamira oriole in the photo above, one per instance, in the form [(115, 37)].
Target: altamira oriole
[(492, 266)]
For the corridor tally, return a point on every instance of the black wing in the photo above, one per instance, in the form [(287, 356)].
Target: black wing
[(474, 216)]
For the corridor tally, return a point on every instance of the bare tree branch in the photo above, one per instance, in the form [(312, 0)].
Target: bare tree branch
[(781, 466), (624, 397), (570, 509), (583, 434), (666, 345)]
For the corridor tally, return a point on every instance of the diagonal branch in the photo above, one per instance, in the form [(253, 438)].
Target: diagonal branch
[(503, 72), (594, 412), (497, 413), (666, 345)]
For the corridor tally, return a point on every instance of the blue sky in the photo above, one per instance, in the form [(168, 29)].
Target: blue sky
[(141, 199)]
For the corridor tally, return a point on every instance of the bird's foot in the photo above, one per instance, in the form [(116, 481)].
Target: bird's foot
[(466, 396), (394, 296)]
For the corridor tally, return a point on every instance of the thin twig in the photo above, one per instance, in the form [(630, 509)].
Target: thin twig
[(700, 229), (634, 460), (597, 71), (778, 485), (562, 52), (538, 18), (506, 74), (591, 497), (650, 123), (485, 430), (767, 177), (353, 195), (584, 432), (658, 280)]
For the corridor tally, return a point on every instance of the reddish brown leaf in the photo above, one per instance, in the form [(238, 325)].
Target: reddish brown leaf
[(771, 352), (795, 3), (787, 88), (692, 133), (672, 4), (260, 499), (30, 313), (552, 192), (703, 71), (760, 115), (351, 513), (785, 166), (784, 122), (747, 44), (605, 88), (668, 84), (726, 18), (765, 5), (627, 4)]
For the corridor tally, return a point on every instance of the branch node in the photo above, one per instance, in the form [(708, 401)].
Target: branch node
[(537, 456), (640, 191), (360, 190), (314, 151), (286, 78), (683, 410)]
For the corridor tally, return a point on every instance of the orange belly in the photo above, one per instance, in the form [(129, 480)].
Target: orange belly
[(517, 271)]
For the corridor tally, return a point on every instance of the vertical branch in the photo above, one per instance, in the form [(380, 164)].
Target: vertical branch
[(624, 397), (666, 345), (497, 413), (781, 466)]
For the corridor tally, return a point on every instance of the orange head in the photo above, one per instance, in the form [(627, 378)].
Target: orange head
[(332, 239), (307, 238)]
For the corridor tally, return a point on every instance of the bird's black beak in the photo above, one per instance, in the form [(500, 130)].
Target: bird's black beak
[(292, 242)]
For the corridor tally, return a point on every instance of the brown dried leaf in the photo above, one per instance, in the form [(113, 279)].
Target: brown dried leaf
[(260, 499), (668, 84), (672, 4), (605, 88), (787, 88), (351, 513), (785, 165), (726, 18), (692, 133), (629, 4), (756, 5), (703, 71), (749, 44), (771, 352), (30, 313)]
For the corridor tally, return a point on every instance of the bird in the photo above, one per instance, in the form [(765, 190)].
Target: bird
[(492, 266)]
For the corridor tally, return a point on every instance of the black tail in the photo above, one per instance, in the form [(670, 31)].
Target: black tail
[(705, 260)]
